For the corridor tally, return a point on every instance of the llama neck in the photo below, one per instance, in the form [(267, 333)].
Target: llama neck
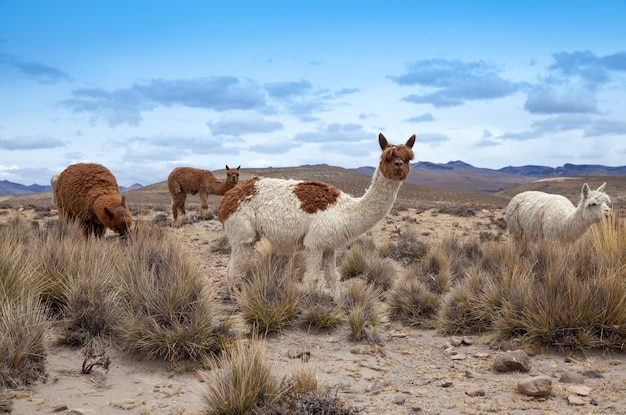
[(223, 187), (576, 224), (374, 205)]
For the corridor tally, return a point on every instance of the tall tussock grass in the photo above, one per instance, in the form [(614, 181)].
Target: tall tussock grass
[(570, 295), (240, 381), (269, 299), (23, 322), (167, 312)]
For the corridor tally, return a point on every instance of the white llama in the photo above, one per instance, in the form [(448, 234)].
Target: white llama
[(536, 215), (313, 216)]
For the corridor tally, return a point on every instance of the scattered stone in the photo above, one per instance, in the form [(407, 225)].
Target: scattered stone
[(399, 400), (475, 392), (74, 412), (576, 400), (468, 340), (504, 345), (305, 355), (592, 374), (416, 409), (449, 351), (482, 355), (446, 383), (535, 386), (511, 361), (51, 404), (456, 341), (459, 356), (469, 375), (569, 377), (581, 390)]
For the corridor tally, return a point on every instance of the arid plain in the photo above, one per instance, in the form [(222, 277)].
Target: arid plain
[(409, 371)]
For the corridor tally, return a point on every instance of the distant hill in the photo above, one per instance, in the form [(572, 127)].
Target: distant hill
[(454, 175), (9, 188)]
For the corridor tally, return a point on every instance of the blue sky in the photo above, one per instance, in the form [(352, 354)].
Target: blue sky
[(144, 86)]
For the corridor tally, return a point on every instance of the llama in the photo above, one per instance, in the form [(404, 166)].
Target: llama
[(312, 216), (538, 215), (188, 180), (89, 193)]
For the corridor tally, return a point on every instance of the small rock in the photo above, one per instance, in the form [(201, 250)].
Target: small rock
[(446, 383), (569, 377), (399, 400), (449, 351), (305, 355), (475, 392), (592, 374), (581, 390), (51, 404), (511, 361), (503, 345), (482, 355), (535, 386), (468, 340), (199, 376), (459, 356), (416, 409), (575, 400), (456, 341)]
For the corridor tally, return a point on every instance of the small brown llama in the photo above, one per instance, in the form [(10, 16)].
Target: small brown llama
[(89, 194), (188, 180)]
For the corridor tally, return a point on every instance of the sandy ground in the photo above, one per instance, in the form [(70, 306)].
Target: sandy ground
[(410, 373)]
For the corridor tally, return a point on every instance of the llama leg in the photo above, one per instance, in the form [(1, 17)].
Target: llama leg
[(329, 265), (313, 274), (239, 264), (204, 205)]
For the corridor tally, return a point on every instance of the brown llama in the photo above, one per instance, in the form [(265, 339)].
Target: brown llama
[(188, 180), (89, 194)]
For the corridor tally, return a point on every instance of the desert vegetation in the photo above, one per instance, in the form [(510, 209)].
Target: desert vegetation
[(145, 296)]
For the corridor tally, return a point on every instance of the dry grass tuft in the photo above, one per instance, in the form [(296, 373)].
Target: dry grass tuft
[(240, 381), (319, 310), (167, 312), (270, 298), (362, 303), (411, 302)]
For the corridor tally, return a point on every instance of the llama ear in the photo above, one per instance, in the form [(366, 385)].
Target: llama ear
[(382, 141), (238, 167), (411, 141), (227, 168), (108, 212), (585, 191), (601, 188)]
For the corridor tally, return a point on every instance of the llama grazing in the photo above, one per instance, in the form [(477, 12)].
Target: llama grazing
[(88, 193), (536, 215), (308, 215), (188, 180)]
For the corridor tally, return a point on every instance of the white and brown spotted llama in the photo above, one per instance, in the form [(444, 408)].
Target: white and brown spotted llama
[(188, 180), (309, 215)]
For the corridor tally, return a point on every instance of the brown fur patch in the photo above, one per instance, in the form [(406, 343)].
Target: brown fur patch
[(315, 195), (233, 198)]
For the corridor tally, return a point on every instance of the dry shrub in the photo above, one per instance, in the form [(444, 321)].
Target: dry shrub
[(319, 310), (167, 312), (354, 262), (23, 327), (240, 381), (23, 323), (362, 303), (270, 297), (411, 302)]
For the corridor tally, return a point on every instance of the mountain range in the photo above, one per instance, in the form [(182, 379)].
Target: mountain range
[(454, 175)]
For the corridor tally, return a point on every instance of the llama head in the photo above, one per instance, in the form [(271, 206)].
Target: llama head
[(120, 218), (232, 175), (596, 203), (394, 162)]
